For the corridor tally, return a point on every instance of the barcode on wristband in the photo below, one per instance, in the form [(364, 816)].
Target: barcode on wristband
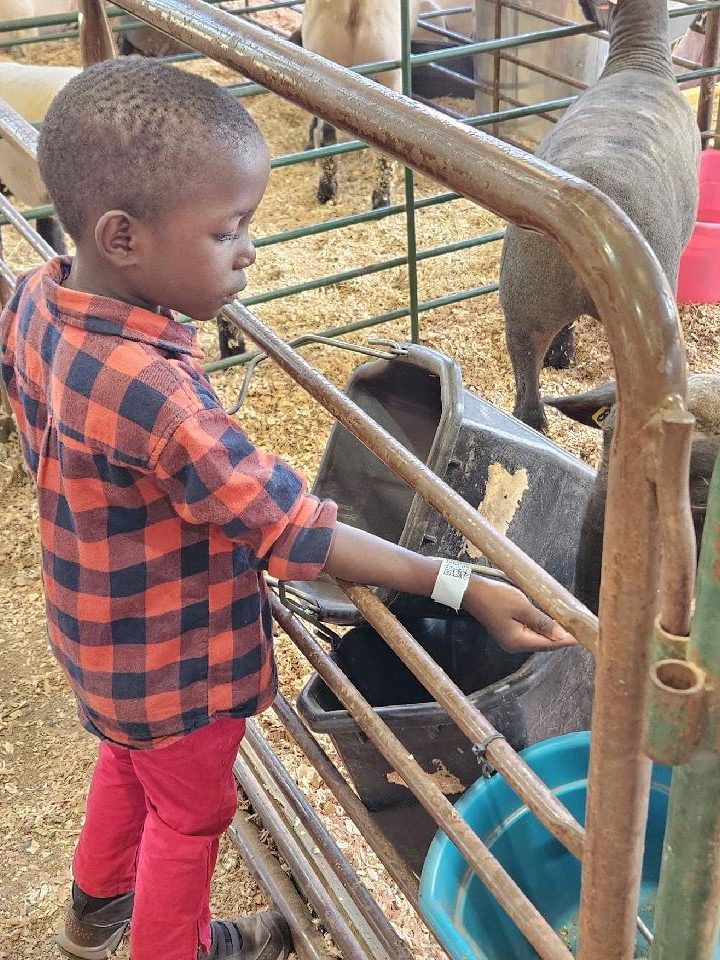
[(451, 584)]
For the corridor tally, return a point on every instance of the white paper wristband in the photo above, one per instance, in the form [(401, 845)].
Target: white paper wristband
[(451, 584)]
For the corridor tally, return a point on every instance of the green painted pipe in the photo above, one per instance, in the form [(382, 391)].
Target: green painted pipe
[(409, 177), (214, 365), (688, 903), (686, 923), (358, 272)]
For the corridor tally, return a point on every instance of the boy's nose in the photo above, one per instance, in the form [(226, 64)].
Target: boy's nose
[(246, 257)]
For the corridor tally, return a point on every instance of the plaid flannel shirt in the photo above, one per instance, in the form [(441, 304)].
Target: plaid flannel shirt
[(157, 515)]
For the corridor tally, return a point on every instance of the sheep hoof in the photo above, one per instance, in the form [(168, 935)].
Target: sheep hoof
[(125, 48), (380, 199), (557, 359), (533, 416), (327, 189), (231, 348), (230, 341)]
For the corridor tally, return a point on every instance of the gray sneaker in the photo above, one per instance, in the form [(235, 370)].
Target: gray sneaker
[(94, 934), (266, 936)]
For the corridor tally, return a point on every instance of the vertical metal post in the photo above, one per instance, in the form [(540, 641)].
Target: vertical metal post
[(619, 776), (479, 95), (7, 423), (711, 55), (96, 38), (407, 29), (497, 63), (688, 904)]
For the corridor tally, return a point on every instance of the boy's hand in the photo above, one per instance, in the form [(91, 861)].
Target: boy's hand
[(511, 619)]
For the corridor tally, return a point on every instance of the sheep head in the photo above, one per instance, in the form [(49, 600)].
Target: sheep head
[(596, 408), (598, 11)]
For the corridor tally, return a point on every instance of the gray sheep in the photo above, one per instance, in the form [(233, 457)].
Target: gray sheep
[(634, 137), (596, 408)]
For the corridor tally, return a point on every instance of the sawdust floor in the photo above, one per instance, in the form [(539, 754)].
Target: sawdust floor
[(45, 759)]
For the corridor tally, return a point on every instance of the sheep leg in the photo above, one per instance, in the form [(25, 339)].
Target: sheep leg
[(311, 134), (230, 341), (327, 187), (386, 174), (50, 230), (561, 351), (125, 48), (526, 349)]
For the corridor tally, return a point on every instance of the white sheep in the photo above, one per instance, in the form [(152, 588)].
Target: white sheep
[(353, 32), (30, 89), (25, 9)]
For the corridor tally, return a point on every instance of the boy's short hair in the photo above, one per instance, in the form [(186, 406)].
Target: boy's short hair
[(124, 134)]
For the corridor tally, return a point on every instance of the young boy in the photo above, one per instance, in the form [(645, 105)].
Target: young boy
[(157, 515)]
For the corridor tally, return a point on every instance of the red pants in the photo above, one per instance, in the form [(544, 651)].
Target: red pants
[(154, 820)]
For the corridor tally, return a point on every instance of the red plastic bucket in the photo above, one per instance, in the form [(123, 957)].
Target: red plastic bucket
[(699, 278)]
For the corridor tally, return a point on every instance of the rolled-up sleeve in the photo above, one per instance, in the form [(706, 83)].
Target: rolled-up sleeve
[(213, 474)]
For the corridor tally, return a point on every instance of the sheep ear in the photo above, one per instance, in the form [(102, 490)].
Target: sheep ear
[(590, 408)]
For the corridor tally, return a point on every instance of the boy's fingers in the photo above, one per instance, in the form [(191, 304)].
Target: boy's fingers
[(550, 629)]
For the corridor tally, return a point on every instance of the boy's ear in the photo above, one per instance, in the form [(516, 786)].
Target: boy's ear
[(115, 236)]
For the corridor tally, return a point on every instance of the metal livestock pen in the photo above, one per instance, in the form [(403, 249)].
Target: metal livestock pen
[(649, 456), (509, 68)]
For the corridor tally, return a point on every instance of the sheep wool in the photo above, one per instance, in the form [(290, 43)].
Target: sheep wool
[(29, 89)]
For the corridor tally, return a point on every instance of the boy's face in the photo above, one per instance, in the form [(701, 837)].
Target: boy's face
[(194, 259)]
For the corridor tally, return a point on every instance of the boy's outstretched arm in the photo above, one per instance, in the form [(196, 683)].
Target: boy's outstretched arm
[(510, 618)]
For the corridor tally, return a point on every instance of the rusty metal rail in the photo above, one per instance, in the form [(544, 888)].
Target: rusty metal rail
[(17, 130), (304, 870), (637, 308), (349, 800), (308, 942), (307, 819), (526, 917)]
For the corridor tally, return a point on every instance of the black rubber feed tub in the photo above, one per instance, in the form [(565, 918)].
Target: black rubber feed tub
[(518, 478), (526, 697)]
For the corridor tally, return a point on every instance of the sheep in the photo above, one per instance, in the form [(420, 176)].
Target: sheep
[(149, 42), (30, 89), (353, 32), (634, 137), (596, 408), (27, 9)]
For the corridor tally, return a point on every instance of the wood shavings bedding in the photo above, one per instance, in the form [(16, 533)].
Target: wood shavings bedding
[(45, 758)]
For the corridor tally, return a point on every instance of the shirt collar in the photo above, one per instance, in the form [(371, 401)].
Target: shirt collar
[(113, 317)]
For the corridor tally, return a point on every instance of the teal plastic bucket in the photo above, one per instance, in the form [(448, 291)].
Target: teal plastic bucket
[(466, 918)]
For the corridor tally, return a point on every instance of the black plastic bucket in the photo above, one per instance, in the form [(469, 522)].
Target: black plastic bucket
[(477, 449), (526, 697)]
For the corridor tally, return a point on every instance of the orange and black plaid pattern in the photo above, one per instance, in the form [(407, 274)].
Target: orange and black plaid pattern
[(157, 514)]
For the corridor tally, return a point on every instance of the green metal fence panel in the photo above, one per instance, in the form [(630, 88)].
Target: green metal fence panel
[(408, 209)]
